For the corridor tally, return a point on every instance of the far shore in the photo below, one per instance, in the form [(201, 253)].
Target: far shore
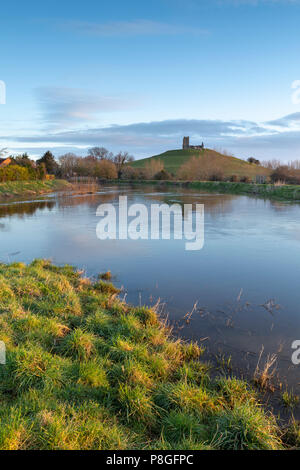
[(271, 191), (21, 189)]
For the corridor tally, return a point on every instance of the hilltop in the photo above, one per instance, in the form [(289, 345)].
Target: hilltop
[(174, 159)]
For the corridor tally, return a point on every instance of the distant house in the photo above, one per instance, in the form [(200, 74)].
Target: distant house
[(4, 162)]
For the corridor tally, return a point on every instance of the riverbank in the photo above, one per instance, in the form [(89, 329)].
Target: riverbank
[(285, 192), (15, 189), (85, 370)]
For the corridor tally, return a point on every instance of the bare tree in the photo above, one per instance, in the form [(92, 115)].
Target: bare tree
[(101, 153), (201, 169), (68, 163), (153, 166), (120, 159)]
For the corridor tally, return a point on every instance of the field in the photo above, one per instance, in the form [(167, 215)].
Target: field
[(84, 370), (174, 159)]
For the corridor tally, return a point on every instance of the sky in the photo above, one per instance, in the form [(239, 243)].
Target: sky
[(138, 76)]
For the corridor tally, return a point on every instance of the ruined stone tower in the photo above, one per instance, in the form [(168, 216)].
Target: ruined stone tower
[(186, 143)]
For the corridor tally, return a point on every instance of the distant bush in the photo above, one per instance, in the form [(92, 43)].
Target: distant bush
[(199, 169), (162, 175), (153, 167), (234, 178), (216, 175), (274, 164), (131, 173), (14, 173), (99, 163), (285, 174), (106, 169), (34, 171), (41, 172), (253, 160), (245, 179)]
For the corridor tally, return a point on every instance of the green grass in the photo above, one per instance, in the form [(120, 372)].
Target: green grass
[(289, 399), (292, 435), (84, 370), (286, 192), (174, 159), (268, 191), (31, 188)]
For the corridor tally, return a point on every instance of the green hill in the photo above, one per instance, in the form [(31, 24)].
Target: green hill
[(174, 159)]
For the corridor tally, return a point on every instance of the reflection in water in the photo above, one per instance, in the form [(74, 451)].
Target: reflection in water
[(250, 259), (24, 208)]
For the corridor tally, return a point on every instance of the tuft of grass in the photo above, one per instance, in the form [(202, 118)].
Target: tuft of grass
[(182, 426), (291, 436), (86, 371), (105, 276), (79, 344), (289, 399), (136, 403), (264, 374), (93, 374), (245, 427), (106, 287)]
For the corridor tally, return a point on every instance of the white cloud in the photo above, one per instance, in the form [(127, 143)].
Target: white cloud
[(275, 139), (62, 106), (139, 27)]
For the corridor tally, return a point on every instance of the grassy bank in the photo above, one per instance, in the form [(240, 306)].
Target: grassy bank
[(31, 188), (84, 370), (285, 192)]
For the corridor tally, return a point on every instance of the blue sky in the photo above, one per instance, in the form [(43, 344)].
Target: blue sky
[(138, 76)]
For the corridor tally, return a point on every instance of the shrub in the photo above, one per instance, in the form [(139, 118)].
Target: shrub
[(106, 169), (201, 169), (234, 178), (14, 173), (216, 175), (285, 174), (245, 179), (162, 175), (130, 173), (253, 160), (153, 167)]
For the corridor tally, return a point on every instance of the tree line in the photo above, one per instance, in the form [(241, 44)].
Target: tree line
[(99, 162)]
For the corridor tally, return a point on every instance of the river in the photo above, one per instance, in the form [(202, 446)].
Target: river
[(244, 282)]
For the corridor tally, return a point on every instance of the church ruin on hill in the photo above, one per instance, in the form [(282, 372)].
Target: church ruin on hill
[(186, 144)]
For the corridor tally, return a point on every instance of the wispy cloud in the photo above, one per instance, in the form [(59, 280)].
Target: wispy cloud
[(274, 139), (291, 121), (139, 27), (66, 106)]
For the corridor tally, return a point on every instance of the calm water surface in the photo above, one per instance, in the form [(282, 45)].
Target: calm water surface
[(245, 281)]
